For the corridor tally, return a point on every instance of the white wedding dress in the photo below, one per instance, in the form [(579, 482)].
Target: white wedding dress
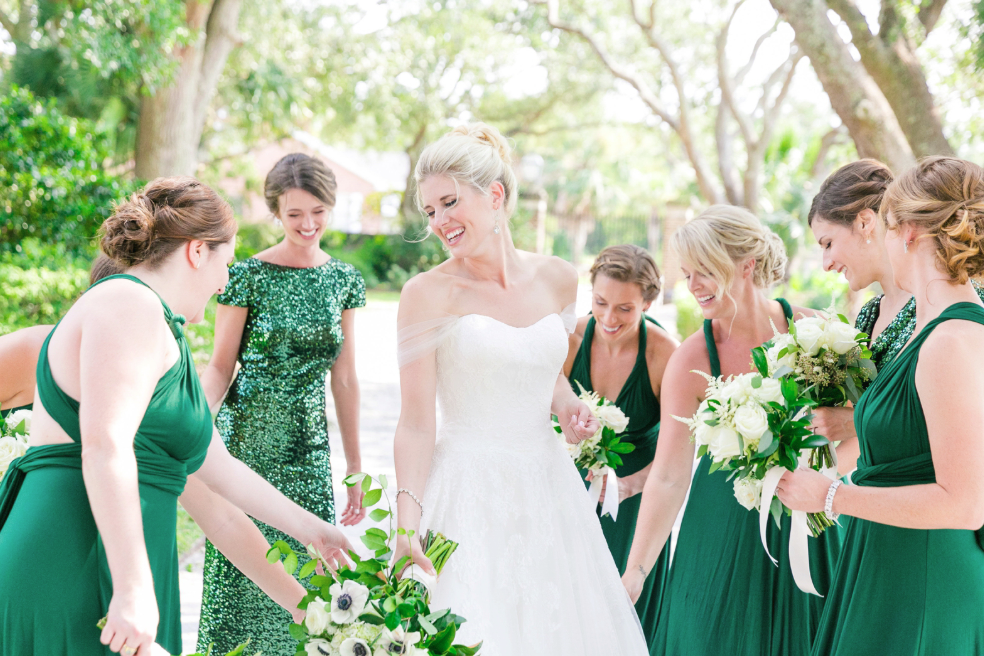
[(533, 574)]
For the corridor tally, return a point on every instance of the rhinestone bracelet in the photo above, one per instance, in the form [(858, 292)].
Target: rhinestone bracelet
[(412, 496), (828, 507)]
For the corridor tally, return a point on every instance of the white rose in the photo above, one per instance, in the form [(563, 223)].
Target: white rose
[(612, 417), (841, 337), (751, 421), (783, 341), (11, 448), (748, 491), (15, 418), (722, 442), (809, 335), (318, 618), (739, 390), (355, 647), (318, 647), (348, 601), (769, 391)]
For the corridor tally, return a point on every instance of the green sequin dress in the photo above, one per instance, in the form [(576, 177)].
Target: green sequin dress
[(273, 419)]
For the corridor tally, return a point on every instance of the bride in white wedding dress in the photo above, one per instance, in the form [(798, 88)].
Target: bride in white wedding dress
[(485, 334)]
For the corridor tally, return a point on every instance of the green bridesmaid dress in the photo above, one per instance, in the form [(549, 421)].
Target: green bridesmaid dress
[(273, 419), (640, 405), (53, 608), (900, 590), (724, 595)]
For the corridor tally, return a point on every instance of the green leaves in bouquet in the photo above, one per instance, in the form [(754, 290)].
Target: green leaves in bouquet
[(760, 361)]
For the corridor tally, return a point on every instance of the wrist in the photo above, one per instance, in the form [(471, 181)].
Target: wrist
[(353, 466)]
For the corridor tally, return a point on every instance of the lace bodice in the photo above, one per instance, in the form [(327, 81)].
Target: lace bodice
[(493, 375)]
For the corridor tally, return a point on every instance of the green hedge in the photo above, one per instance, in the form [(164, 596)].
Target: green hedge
[(52, 182), (40, 283)]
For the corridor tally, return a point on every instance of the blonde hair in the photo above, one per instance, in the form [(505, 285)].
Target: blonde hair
[(629, 263), (475, 154), (944, 197), (721, 237)]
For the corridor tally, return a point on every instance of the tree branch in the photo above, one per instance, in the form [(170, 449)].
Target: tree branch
[(724, 81), (740, 75), (826, 143), (929, 14), (8, 25)]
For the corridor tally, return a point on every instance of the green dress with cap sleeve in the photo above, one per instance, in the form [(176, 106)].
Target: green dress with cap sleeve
[(640, 405), (900, 590), (45, 517), (724, 595), (273, 419)]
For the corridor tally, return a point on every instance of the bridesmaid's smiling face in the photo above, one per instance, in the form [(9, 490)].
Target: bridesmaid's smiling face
[(852, 250), (704, 288), (304, 216), (462, 217), (617, 308)]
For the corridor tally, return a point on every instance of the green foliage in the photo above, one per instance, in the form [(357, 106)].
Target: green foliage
[(40, 283), (689, 317), (52, 184)]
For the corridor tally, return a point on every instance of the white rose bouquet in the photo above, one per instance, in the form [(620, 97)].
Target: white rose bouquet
[(600, 454), (826, 356), (751, 424), (369, 611), (14, 431)]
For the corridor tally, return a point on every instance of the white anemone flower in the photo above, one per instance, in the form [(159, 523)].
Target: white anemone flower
[(398, 641), (348, 601), (355, 647), (318, 647)]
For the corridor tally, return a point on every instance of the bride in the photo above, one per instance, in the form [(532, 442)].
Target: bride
[(485, 335)]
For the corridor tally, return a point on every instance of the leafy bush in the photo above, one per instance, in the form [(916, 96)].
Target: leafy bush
[(52, 184), (689, 317), (40, 283)]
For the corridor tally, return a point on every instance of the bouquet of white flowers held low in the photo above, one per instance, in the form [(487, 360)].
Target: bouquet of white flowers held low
[(14, 431), (369, 611), (600, 454)]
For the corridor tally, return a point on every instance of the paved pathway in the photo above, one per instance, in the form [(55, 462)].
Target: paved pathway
[(375, 356)]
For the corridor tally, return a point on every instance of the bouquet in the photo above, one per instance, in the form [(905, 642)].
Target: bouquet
[(600, 453), (827, 357), (14, 431), (751, 424), (368, 610)]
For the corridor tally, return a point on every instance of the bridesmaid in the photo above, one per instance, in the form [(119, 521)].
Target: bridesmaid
[(844, 219), (19, 351), (911, 576), (112, 464), (625, 364), (287, 316), (723, 593)]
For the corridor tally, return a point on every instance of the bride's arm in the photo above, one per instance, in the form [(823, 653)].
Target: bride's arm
[(669, 477)]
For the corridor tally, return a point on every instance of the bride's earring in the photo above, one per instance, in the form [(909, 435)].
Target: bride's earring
[(496, 228), (905, 245)]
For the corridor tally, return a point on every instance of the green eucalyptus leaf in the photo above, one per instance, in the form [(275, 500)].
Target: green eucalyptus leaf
[(372, 498)]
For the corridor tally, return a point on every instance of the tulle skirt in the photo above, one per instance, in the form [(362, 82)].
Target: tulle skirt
[(533, 573)]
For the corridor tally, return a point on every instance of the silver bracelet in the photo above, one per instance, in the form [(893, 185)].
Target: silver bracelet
[(828, 506), (412, 496)]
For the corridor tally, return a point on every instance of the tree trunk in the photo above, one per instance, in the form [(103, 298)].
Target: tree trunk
[(891, 60), (172, 119), (853, 94)]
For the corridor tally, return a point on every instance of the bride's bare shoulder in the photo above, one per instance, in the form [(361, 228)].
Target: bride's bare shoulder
[(426, 296), (559, 274)]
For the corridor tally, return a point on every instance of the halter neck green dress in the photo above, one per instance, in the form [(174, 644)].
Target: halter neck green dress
[(724, 595), (640, 405), (44, 509), (900, 590)]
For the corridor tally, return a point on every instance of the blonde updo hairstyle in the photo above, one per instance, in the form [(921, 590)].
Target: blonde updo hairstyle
[(721, 237), (169, 212), (943, 197), (475, 154), (629, 263)]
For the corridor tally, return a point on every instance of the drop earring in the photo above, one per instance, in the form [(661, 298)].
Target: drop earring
[(496, 228), (867, 241), (905, 245)]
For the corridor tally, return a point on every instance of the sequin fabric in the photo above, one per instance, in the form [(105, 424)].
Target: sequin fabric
[(273, 419), (896, 335)]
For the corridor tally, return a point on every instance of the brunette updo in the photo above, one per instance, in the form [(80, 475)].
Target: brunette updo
[(850, 190), (299, 171), (629, 263), (476, 154), (158, 220), (943, 197)]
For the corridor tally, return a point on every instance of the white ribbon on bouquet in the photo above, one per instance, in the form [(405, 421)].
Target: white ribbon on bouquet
[(799, 552), (610, 505)]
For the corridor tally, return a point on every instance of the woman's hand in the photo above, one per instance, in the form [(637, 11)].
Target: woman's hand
[(411, 547), (627, 487), (836, 424), (633, 580), (354, 512), (331, 544), (131, 623), (804, 489), (577, 421)]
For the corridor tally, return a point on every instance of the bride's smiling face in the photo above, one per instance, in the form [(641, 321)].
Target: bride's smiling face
[(462, 217)]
